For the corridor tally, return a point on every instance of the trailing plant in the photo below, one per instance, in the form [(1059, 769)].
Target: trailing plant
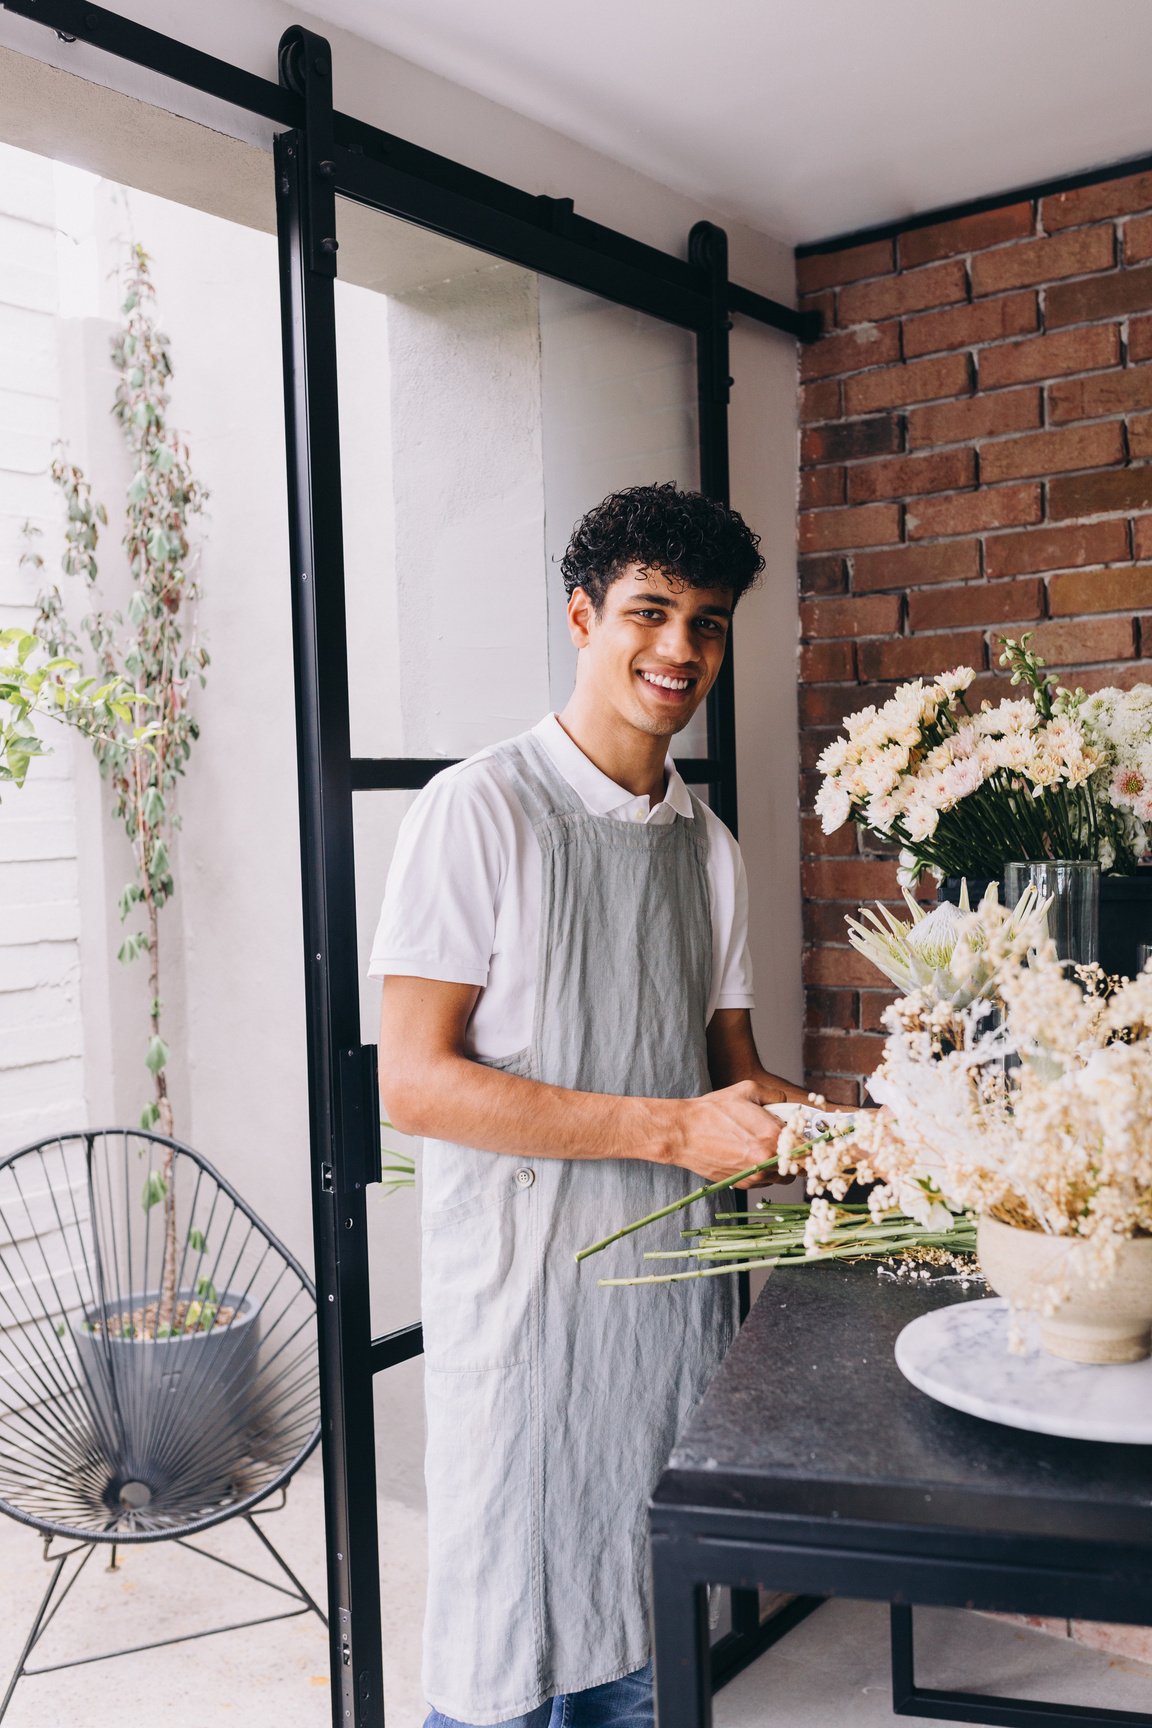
[(146, 658)]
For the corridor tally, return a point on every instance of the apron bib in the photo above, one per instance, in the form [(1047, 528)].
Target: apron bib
[(553, 1405)]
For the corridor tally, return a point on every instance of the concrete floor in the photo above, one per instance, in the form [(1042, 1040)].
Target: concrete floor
[(832, 1668)]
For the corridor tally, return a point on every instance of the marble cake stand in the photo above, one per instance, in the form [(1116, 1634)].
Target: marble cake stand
[(960, 1356)]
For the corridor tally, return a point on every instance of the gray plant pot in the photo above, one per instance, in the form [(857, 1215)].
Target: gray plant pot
[(171, 1415)]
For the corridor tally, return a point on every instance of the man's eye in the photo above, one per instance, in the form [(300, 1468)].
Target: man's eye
[(648, 612)]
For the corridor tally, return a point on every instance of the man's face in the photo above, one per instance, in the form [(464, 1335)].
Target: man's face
[(654, 650)]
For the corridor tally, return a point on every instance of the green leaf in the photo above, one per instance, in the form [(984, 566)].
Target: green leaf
[(157, 1054), (155, 1190), (206, 1290), (197, 1242), (149, 1116), (152, 807)]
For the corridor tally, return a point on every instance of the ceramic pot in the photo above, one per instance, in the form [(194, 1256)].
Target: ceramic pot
[(1112, 1323)]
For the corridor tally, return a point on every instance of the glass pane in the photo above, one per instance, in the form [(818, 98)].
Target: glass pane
[(393, 1233), (483, 410)]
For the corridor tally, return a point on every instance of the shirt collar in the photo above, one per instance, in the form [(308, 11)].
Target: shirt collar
[(591, 785)]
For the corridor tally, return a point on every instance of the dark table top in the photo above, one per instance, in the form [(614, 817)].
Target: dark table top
[(809, 1418)]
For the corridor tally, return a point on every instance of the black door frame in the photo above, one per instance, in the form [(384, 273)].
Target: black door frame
[(323, 153)]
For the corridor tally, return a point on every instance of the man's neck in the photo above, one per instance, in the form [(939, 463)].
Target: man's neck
[(631, 759)]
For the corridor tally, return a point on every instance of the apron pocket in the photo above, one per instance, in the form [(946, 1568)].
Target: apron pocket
[(481, 1638)]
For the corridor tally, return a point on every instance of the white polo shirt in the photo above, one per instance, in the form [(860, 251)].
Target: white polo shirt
[(462, 902)]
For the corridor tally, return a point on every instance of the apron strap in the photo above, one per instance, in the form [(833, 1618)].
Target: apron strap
[(534, 778)]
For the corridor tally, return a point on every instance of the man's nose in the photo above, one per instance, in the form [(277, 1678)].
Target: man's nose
[(677, 644)]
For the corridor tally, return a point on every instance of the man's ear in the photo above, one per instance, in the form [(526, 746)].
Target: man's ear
[(581, 614)]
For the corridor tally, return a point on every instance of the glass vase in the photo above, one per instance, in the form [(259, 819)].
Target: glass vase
[(1074, 915)]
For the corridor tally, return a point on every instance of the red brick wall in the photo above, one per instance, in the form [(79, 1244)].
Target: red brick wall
[(976, 458)]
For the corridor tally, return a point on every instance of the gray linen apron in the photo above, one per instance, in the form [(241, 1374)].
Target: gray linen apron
[(553, 1405)]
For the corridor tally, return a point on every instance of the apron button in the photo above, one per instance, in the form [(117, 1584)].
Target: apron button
[(525, 1178)]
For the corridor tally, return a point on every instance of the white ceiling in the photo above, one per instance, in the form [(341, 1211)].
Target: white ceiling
[(803, 118)]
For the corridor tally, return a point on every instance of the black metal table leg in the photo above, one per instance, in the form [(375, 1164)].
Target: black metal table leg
[(681, 1658), (940, 1704)]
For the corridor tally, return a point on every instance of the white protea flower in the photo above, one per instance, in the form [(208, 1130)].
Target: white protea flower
[(941, 951)]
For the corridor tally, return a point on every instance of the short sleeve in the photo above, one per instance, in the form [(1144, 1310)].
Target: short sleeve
[(440, 906), (730, 931)]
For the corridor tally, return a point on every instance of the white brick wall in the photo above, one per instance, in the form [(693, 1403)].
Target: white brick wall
[(41, 1032)]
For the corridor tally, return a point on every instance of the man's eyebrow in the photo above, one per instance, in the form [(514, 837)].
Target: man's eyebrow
[(673, 604)]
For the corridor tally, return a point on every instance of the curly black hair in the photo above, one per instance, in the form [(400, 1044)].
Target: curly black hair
[(680, 534)]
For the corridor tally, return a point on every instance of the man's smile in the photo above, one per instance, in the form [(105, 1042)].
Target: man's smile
[(677, 684)]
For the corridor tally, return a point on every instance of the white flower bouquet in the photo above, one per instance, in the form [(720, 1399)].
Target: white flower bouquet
[(1055, 774)]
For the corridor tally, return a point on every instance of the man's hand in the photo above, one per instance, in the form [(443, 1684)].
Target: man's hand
[(730, 1130)]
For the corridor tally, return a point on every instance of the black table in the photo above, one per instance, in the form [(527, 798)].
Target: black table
[(812, 1466)]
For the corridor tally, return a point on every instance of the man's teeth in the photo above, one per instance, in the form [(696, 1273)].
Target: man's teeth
[(666, 683)]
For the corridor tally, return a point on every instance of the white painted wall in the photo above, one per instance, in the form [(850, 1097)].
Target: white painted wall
[(42, 1072)]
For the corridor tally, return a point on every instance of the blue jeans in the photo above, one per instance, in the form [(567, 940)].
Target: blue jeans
[(625, 1703)]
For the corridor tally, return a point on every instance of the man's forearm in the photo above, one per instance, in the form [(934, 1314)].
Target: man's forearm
[(457, 1099)]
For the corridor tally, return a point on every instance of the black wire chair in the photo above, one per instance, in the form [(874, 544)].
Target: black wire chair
[(158, 1360)]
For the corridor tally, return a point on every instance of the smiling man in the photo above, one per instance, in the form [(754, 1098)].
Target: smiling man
[(566, 1018)]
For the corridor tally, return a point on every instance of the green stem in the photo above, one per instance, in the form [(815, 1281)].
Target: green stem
[(697, 1194)]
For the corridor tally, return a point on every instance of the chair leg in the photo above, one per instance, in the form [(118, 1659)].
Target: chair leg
[(43, 1614), (285, 1568)]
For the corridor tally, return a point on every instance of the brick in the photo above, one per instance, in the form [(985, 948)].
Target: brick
[(831, 1009), (842, 1052), (829, 269), (820, 487), (912, 291), (834, 1089), (1124, 677), (915, 381), (978, 417), (830, 704), (823, 304), (863, 615), (823, 575), (838, 968), (849, 878), (1037, 261), (905, 476), (851, 440), (824, 919), (827, 662), (851, 351), (1106, 393), (1049, 356), (978, 604), (1124, 588), (1138, 240), (1053, 452), (909, 476), (1055, 548), (814, 843), (813, 741), (969, 326), (872, 1005), (838, 530), (820, 400), (909, 566), (966, 234), (1097, 202), (1140, 436), (1142, 536), (1078, 642), (974, 512), (1140, 339), (1111, 296), (919, 656), (1097, 494)]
